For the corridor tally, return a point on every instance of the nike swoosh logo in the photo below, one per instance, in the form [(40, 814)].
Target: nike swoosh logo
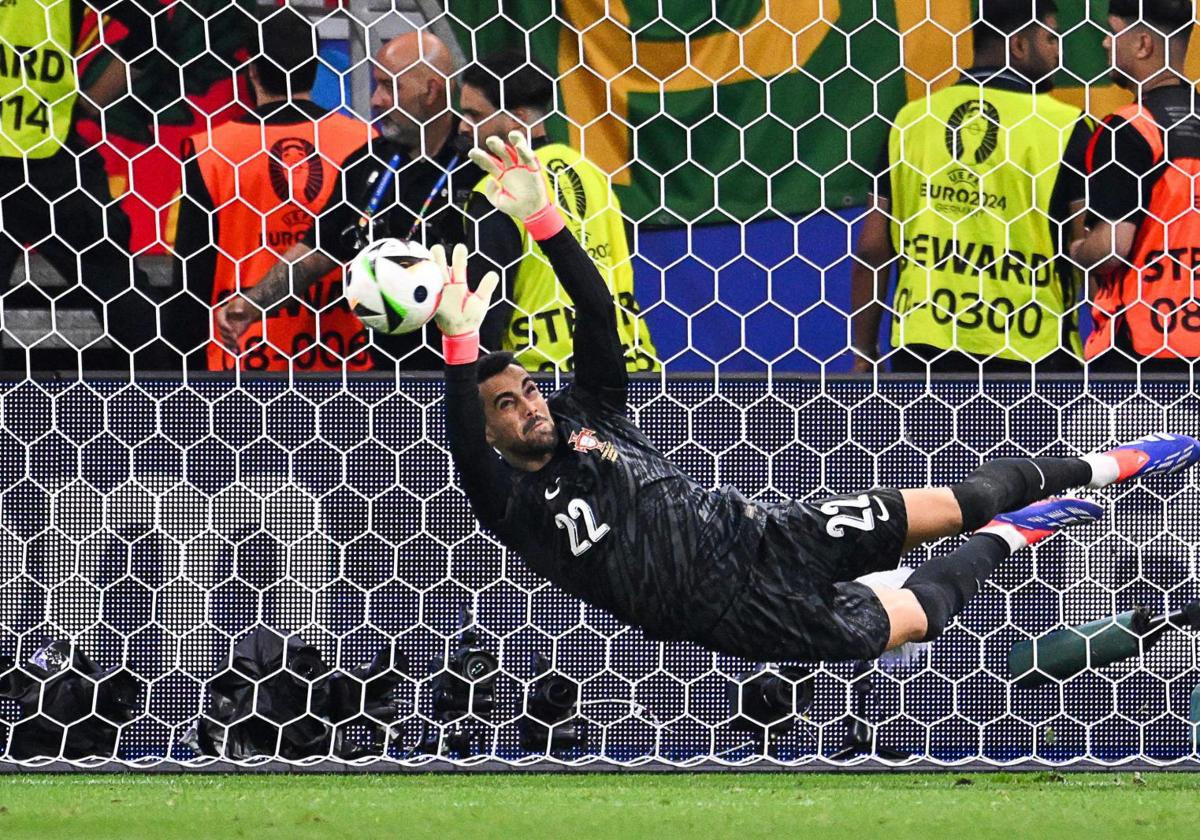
[(557, 490)]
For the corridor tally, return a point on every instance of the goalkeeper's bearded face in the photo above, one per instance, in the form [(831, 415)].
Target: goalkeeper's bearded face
[(519, 424)]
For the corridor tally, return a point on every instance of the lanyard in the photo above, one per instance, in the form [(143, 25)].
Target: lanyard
[(355, 236), (380, 188), (437, 188)]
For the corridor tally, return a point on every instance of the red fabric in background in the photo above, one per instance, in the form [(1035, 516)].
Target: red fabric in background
[(153, 175), (149, 178)]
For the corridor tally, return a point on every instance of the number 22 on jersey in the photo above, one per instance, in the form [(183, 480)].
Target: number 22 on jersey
[(578, 509)]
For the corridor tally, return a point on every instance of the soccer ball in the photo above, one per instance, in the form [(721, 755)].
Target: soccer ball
[(394, 286)]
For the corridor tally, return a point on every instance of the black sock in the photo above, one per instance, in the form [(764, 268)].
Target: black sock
[(944, 585), (1010, 483)]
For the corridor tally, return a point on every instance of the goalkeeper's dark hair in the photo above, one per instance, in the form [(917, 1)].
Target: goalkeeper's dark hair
[(511, 80), (287, 51), (1171, 19), (999, 20), (491, 364)]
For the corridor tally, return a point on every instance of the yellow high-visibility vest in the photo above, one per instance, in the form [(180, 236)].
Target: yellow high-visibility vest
[(540, 332), (973, 169), (37, 77)]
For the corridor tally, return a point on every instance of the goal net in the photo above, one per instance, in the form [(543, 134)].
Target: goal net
[(249, 568)]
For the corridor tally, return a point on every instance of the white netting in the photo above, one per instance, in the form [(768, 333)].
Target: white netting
[(152, 523)]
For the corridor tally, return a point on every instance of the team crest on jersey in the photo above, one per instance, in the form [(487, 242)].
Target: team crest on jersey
[(585, 440)]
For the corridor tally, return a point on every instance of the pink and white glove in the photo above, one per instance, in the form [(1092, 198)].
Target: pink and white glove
[(460, 312), (517, 185)]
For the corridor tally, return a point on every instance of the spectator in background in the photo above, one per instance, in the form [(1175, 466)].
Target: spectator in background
[(252, 189), (427, 176), (535, 319), (977, 185), (1143, 247), (56, 196)]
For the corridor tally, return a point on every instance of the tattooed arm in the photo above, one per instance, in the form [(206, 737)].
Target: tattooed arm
[(292, 276)]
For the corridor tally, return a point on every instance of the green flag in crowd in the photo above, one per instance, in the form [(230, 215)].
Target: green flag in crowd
[(768, 108)]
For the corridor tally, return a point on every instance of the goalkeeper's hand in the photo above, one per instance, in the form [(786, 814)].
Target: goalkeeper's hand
[(461, 311), (517, 186)]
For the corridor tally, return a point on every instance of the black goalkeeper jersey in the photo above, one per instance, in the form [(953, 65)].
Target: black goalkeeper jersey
[(609, 519)]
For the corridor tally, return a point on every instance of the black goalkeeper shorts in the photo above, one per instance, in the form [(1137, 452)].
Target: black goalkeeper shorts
[(799, 600)]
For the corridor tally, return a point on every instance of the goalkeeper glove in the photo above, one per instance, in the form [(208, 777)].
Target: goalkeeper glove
[(460, 312), (517, 185)]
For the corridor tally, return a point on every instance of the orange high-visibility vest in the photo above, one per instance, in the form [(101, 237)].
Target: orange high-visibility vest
[(1152, 308), (268, 182)]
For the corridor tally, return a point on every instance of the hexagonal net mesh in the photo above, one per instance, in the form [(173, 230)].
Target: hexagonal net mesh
[(263, 553)]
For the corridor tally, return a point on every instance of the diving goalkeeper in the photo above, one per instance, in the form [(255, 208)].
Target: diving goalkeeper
[(584, 497)]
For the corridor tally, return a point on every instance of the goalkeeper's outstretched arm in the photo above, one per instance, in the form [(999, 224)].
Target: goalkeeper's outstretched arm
[(518, 188), (485, 478), (599, 356)]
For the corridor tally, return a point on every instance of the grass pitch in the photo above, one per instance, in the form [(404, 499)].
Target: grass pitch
[(571, 807)]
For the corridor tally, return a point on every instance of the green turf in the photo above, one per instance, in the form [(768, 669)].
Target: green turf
[(659, 806)]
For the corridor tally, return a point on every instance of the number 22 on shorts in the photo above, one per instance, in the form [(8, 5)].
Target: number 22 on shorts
[(842, 514)]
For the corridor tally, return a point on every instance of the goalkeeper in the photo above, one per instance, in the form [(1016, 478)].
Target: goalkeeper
[(588, 502)]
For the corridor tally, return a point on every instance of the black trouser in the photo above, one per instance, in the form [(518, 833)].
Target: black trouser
[(62, 207)]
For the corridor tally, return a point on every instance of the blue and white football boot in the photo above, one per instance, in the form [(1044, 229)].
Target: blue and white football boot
[(1161, 453), (1035, 522)]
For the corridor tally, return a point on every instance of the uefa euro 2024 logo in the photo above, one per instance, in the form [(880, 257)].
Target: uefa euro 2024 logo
[(972, 132)]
